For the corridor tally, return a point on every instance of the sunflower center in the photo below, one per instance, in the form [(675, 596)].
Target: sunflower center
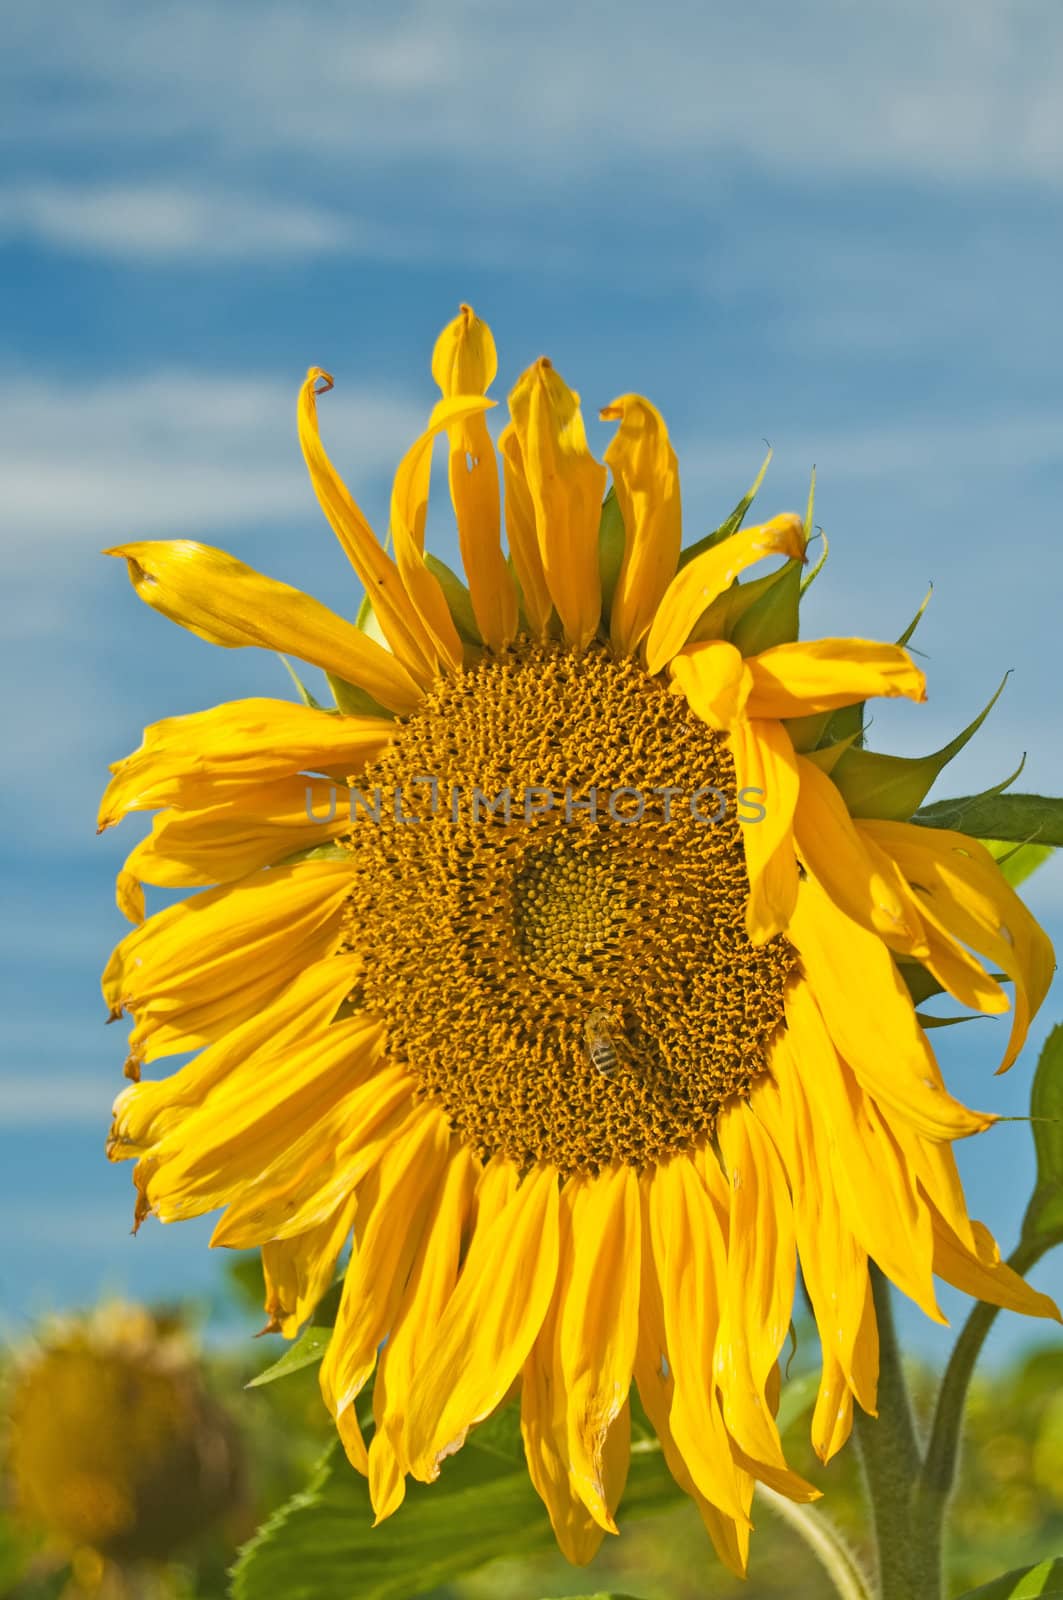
[(550, 889)]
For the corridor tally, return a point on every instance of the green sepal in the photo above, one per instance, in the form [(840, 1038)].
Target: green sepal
[(369, 623), (1015, 818), (459, 602), (732, 523), (1043, 1222), (893, 787), (928, 1021), (1043, 1582), (773, 616), (355, 702), (304, 693), (813, 572), (1018, 861), (612, 538), (910, 629), (311, 1344)]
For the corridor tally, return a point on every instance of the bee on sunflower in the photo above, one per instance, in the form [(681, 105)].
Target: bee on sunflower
[(392, 1010)]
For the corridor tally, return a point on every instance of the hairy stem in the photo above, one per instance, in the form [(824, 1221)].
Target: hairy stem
[(938, 1474), (825, 1542)]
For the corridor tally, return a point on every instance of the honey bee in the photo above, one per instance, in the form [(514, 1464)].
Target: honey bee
[(602, 1047)]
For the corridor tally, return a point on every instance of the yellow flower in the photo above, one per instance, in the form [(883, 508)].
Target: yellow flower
[(584, 1014), (114, 1447)]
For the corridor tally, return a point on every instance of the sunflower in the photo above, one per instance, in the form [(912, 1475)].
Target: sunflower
[(554, 970)]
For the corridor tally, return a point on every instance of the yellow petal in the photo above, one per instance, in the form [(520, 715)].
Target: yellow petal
[(980, 1272), (832, 1418), (489, 1325), (965, 891), (598, 1331), (521, 532), (224, 754), (431, 1283), (409, 509), (392, 605), (298, 1271), (394, 1208), (145, 1111), (866, 886), (697, 585), (192, 849), (249, 1122), (766, 776), (201, 967), (566, 485), (656, 1385), (691, 1259), (877, 1191), (464, 362), (227, 603), (646, 474), (870, 1016), (797, 680), (714, 680), (761, 1275)]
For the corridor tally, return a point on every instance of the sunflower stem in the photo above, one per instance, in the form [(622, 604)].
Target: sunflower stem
[(889, 1450), (825, 1542), (933, 1487)]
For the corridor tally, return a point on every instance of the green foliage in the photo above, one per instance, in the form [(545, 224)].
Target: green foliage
[(611, 539), (457, 597), (1043, 1582), (1018, 861), (1018, 818), (322, 1545), (772, 617), (311, 1344), (1043, 1222)]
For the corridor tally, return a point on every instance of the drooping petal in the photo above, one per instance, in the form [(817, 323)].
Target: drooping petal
[(489, 1324), (871, 1019), (981, 1272), (966, 892), (598, 1322), (431, 1283), (799, 679), (145, 1111), (225, 602), (761, 1275), (696, 586), (862, 885), (409, 509), (464, 362), (220, 756), (565, 485), (766, 776), (646, 474), (690, 1255), (298, 1271), (203, 966), (392, 605), (714, 681), (394, 1208)]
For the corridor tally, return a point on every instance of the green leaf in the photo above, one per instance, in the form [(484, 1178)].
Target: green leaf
[(311, 1343), (1017, 818), (459, 602), (732, 523), (321, 1545), (611, 540), (355, 702), (601, 1595), (304, 693), (1043, 1582), (1018, 861), (893, 787), (1044, 1215), (771, 619)]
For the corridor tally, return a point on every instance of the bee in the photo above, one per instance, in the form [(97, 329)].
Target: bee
[(602, 1047)]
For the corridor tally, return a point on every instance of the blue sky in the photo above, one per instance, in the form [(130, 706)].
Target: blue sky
[(827, 225)]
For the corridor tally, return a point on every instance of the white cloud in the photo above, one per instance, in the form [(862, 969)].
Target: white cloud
[(171, 452), (158, 221), (954, 88)]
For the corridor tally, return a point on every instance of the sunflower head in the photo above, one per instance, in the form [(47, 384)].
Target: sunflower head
[(114, 1447), (563, 969)]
